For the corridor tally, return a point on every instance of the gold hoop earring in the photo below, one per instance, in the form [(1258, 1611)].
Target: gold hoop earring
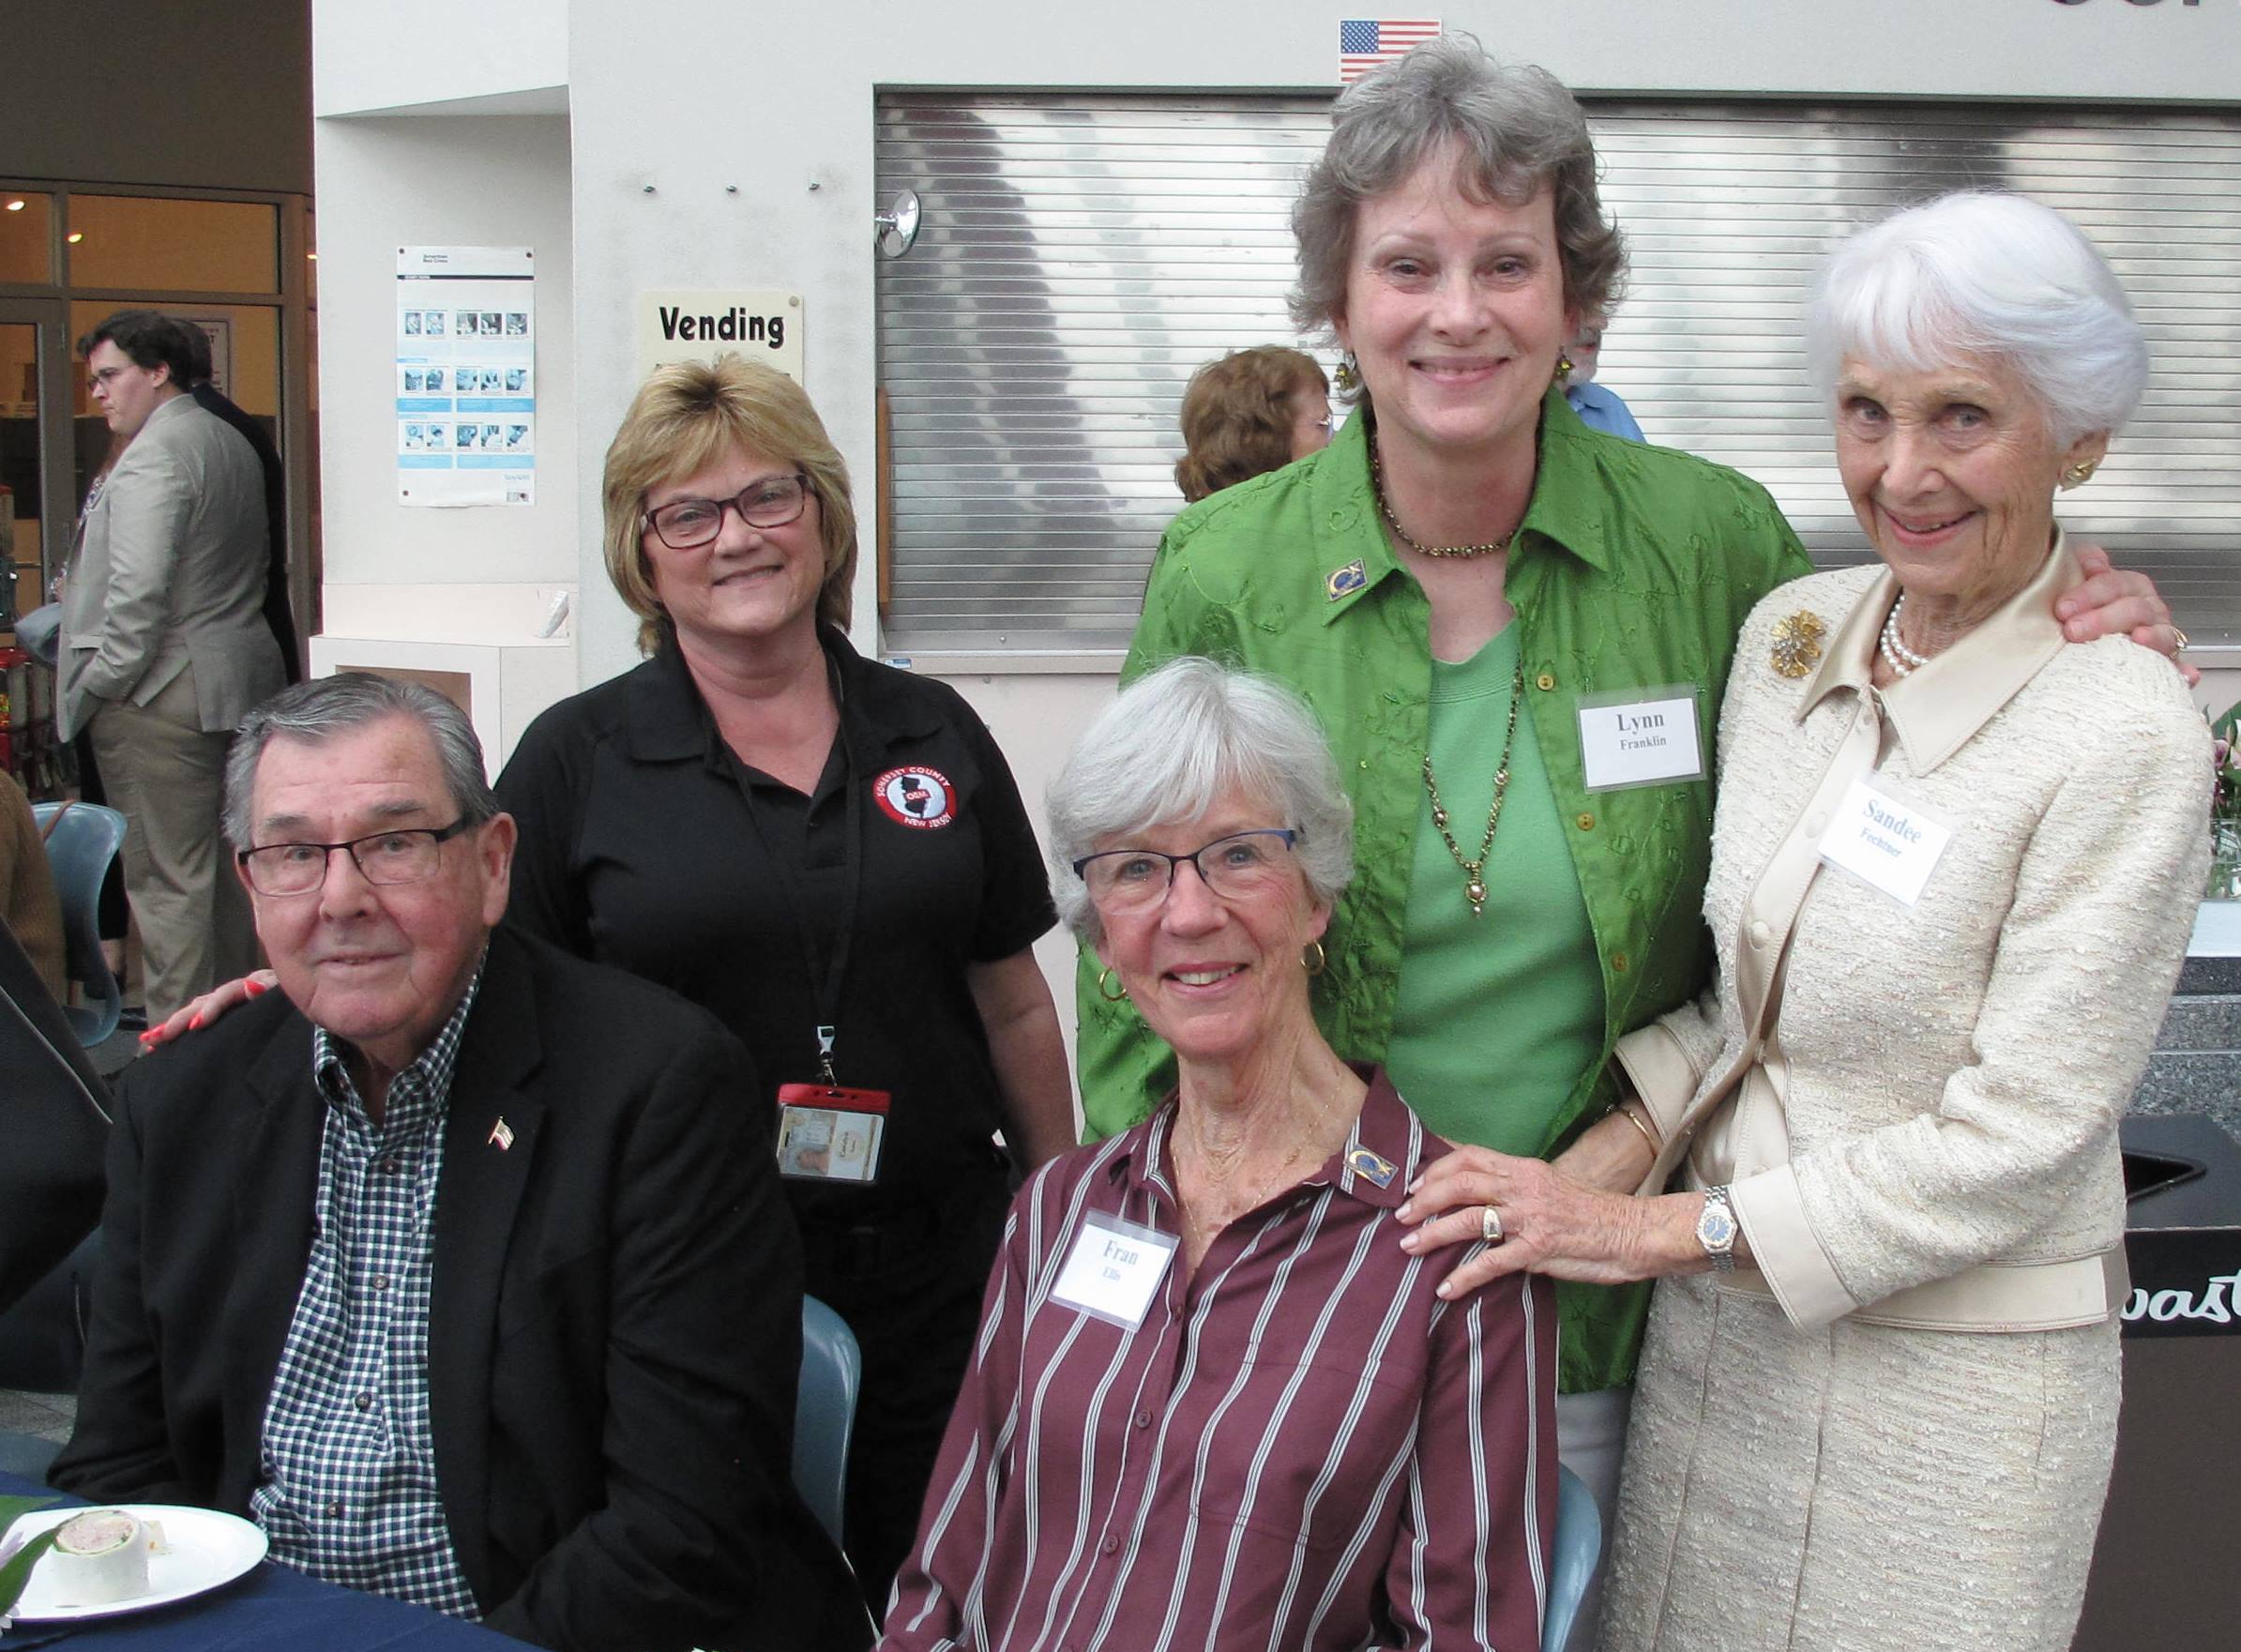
[(1564, 368), (1313, 959), (1105, 992), (2078, 474), (1348, 378)]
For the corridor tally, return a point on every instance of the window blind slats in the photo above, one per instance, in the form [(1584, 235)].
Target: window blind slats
[(1082, 254)]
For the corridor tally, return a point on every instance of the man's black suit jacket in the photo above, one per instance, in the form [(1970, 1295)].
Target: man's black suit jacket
[(278, 615), (615, 1331)]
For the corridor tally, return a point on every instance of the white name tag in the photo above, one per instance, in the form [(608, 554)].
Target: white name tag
[(1891, 844), (1640, 742), (1113, 1270)]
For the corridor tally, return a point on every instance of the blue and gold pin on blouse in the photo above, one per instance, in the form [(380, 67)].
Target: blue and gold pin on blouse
[(1345, 582), (1376, 1166)]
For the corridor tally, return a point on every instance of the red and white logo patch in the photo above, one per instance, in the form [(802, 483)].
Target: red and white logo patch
[(920, 797)]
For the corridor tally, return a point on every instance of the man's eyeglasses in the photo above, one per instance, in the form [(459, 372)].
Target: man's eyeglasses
[(687, 524), (1240, 865), (404, 854)]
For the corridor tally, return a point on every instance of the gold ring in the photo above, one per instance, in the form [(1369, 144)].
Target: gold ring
[(1489, 1224), (2183, 644)]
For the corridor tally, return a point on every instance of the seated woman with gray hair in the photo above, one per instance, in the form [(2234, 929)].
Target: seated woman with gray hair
[(1954, 866), (1214, 1404)]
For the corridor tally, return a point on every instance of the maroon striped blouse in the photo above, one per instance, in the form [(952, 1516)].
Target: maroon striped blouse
[(1301, 1447)]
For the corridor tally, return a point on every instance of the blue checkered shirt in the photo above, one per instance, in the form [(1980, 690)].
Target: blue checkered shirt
[(349, 1490)]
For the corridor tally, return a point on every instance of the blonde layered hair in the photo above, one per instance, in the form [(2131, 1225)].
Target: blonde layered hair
[(692, 414)]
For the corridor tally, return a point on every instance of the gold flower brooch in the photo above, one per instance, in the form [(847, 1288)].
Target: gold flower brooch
[(1797, 642)]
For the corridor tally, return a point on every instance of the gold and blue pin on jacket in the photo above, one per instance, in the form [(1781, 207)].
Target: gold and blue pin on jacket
[(1345, 582), (1363, 1161)]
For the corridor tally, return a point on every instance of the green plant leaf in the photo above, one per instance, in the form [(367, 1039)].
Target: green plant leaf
[(17, 1572), (14, 1509)]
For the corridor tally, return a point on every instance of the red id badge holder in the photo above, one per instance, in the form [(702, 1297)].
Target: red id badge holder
[(830, 1132)]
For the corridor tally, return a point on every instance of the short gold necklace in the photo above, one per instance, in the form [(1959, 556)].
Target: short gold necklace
[(1475, 870), (1377, 486), (1294, 1163)]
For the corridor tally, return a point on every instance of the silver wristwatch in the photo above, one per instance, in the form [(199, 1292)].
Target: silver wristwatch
[(1716, 1230)]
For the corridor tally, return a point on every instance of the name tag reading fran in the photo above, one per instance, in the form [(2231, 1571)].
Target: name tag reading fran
[(1640, 742), (1891, 844), (1113, 1270)]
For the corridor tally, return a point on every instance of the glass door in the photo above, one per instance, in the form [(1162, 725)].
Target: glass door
[(37, 401)]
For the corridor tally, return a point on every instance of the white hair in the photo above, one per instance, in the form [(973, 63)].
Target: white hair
[(1171, 746), (1979, 273)]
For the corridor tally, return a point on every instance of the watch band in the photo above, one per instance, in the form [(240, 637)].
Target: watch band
[(1716, 1229)]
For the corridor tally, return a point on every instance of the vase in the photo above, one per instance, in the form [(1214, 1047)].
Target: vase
[(2225, 862)]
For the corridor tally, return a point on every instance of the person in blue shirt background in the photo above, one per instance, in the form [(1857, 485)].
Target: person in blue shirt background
[(1599, 409)]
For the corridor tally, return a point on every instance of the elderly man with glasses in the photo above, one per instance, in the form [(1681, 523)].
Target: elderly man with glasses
[(458, 1295)]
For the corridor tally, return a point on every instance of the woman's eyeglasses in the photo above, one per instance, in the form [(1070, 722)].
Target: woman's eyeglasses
[(687, 524), (1240, 865)]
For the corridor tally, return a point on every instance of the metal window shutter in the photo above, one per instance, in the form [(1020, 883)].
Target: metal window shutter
[(1082, 254)]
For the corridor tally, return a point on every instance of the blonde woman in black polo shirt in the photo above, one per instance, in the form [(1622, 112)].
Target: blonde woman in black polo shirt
[(832, 857)]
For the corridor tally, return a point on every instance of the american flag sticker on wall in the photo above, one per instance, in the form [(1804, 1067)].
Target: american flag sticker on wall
[(1364, 43)]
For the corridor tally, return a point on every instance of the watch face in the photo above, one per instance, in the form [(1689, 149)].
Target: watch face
[(1715, 1227)]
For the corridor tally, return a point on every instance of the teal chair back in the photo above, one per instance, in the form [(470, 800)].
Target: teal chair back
[(832, 1375), (1572, 1556), (79, 850)]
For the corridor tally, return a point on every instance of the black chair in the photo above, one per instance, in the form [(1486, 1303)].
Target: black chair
[(42, 1349), (54, 1126)]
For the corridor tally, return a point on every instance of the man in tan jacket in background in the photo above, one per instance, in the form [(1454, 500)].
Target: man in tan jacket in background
[(164, 647)]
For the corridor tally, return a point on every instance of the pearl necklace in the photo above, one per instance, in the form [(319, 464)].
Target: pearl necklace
[(1903, 660)]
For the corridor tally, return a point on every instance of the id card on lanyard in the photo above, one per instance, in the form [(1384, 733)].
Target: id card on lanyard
[(828, 1132)]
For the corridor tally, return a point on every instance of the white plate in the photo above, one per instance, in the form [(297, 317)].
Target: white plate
[(203, 1549)]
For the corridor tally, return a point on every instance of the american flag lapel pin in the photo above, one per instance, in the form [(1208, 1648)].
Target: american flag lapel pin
[(501, 1134)]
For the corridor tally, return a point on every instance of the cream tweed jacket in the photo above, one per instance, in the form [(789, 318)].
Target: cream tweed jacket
[(1949, 1073)]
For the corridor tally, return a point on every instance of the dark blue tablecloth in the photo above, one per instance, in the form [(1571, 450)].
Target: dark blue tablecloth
[(270, 1610)]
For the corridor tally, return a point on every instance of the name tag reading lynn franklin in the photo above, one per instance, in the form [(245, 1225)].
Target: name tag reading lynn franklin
[(1644, 737)]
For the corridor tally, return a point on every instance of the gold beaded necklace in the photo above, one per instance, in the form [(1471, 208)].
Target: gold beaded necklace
[(1475, 870), (1377, 486)]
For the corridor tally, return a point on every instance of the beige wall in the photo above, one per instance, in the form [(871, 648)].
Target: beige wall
[(443, 181)]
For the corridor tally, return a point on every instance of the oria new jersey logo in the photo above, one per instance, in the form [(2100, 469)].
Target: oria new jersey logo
[(921, 797)]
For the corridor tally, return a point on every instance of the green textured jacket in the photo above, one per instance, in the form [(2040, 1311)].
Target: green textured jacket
[(1633, 569)]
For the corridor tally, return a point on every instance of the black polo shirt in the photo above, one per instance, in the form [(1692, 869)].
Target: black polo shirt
[(644, 843)]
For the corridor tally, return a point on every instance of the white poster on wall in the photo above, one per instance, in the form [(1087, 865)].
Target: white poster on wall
[(760, 325), (466, 375)]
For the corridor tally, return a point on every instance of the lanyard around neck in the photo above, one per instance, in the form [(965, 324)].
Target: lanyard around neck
[(825, 982)]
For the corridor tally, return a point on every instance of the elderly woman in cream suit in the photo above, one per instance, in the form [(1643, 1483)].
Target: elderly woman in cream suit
[(1953, 869)]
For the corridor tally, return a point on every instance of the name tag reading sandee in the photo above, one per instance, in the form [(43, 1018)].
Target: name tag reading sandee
[(1113, 1270), (1640, 742), (1893, 845)]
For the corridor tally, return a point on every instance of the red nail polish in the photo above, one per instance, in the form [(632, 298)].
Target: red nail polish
[(194, 1023)]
